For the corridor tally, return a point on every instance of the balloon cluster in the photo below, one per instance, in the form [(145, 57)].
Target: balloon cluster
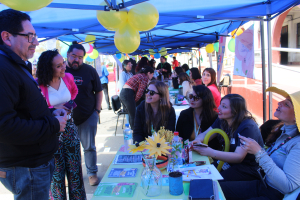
[(141, 17), (91, 53), (28, 5), (157, 53), (231, 44), (212, 47)]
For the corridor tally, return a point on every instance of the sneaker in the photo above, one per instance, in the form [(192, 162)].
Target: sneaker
[(94, 180), (109, 108)]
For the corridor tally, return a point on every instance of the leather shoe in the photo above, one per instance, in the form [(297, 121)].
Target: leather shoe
[(94, 180)]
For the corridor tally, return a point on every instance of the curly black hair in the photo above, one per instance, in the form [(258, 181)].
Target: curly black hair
[(44, 71)]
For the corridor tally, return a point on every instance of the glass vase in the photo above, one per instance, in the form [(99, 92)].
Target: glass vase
[(151, 178)]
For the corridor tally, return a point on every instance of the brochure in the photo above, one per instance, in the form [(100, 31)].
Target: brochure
[(128, 159), (115, 190), (122, 172), (200, 172)]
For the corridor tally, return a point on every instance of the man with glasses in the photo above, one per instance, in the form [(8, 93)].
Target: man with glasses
[(27, 127), (88, 101)]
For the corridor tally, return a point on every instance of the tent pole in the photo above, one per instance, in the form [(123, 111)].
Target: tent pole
[(210, 60), (263, 62), (270, 64)]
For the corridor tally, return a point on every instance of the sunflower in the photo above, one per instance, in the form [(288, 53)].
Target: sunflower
[(157, 145), (137, 147)]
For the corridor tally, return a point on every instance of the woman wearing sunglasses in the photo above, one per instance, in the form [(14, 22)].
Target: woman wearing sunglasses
[(235, 120), (199, 117), (133, 90), (186, 83), (280, 162), (155, 112)]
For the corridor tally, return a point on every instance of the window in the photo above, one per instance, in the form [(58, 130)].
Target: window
[(298, 35)]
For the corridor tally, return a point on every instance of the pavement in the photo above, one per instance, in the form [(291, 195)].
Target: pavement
[(107, 145)]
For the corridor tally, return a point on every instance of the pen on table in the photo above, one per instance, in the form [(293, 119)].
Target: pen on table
[(188, 174), (194, 172)]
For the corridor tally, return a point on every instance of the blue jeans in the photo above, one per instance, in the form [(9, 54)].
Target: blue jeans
[(87, 133), (28, 183)]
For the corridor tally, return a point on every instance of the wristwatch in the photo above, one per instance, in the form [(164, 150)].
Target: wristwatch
[(98, 111)]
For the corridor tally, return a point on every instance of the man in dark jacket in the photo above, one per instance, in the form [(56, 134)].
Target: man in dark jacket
[(164, 68), (27, 127)]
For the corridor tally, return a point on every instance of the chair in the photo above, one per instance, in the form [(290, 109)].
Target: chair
[(116, 106)]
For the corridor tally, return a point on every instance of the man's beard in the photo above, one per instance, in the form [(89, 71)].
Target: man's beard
[(73, 67)]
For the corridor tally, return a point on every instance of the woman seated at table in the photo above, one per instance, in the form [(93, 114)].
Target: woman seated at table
[(195, 76), (234, 119), (209, 80), (186, 83), (186, 69), (133, 90), (280, 162), (155, 112), (199, 117)]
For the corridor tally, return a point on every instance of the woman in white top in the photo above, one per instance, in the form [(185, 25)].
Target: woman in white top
[(59, 90), (126, 74), (186, 83)]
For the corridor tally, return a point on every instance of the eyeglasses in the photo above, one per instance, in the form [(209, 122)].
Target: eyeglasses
[(151, 92), (31, 36), (196, 98)]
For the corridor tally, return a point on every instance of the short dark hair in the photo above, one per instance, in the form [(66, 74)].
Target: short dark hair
[(185, 67), (164, 57), (146, 69), (178, 70), (174, 57), (75, 45), (44, 71), (195, 73), (11, 21)]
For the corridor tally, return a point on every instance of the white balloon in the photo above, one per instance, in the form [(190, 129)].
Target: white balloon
[(86, 46)]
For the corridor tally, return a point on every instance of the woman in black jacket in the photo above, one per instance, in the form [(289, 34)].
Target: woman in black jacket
[(154, 112), (199, 117)]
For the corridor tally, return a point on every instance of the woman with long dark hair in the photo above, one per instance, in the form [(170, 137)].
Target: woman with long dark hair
[(125, 75), (133, 90), (199, 116), (186, 83), (154, 113), (209, 79), (195, 76), (59, 90), (280, 162), (235, 120), (144, 62)]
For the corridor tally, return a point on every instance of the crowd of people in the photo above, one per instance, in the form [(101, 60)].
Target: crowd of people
[(44, 120)]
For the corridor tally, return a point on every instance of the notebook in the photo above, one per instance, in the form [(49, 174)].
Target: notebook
[(201, 189)]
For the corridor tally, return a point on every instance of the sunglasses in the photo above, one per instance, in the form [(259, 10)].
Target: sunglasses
[(151, 92), (196, 98)]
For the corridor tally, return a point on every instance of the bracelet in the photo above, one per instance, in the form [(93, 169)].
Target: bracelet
[(259, 154)]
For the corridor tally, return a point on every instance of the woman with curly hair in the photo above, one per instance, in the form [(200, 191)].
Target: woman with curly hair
[(59, 91)]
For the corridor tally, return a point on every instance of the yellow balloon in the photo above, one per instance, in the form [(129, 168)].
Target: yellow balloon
[(127, 39), (143, 16), (90, 39), (28, 5), (86, 55), (237, 32), (94, 54), (163, 51), (151, 52), (209, 48)]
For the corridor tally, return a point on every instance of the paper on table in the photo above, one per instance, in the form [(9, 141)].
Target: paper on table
[(128, 159), (201, 172)]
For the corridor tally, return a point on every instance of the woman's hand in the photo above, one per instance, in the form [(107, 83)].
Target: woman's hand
[(61, 106), (204, 151), (199, 139), (249, 145)]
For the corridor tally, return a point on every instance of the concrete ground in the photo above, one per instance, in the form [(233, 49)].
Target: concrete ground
[(106, 142)]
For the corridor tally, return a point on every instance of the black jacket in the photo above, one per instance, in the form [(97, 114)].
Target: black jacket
[(166, 66), (185, 126), (140, 131), (27, 127)]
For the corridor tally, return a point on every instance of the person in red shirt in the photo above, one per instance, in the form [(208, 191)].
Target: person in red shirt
[(133, 90), (209, 80), (174, 63)]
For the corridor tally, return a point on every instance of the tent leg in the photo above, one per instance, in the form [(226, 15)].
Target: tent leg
[(263, 61), (270, 64), (210, 60)]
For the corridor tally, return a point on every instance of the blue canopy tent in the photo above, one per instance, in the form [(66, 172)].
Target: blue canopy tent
[(186, 24)]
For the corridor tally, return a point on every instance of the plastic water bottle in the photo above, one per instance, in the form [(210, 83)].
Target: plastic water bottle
[(177, 145), (127, 137)]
